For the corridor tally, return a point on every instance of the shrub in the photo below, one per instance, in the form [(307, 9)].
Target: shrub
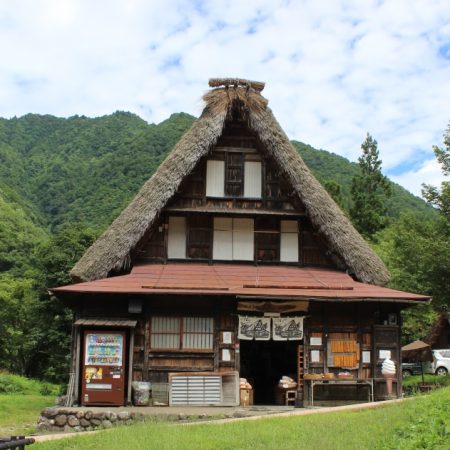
[(15, 384)]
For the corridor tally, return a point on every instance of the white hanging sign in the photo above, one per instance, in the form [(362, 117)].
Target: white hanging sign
[(287, 328), (257, 328)]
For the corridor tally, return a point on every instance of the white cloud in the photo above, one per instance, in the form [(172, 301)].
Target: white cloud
[(429, 173), (334, 70)]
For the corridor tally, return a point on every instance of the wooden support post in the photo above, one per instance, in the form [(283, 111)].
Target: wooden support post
[(77, 351), (216, 337), (145, 367), (130, 366)]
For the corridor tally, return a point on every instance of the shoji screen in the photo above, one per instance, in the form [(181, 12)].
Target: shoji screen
[(223, 238), (289, 241), (243, 239), (252, 179), (176, 243), (233, 239), (215, 178)]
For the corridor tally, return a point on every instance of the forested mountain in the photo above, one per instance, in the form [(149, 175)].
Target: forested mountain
[(62, 181)]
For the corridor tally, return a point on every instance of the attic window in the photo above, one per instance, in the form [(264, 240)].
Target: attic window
[(215, 178), (289, 241), (233, 177), (176, 241)]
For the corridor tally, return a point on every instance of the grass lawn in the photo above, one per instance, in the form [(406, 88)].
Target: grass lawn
[(19, 413), (420, 423), (21, 401), (416, 380)]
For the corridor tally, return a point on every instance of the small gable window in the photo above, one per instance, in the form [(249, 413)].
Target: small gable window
[(176, 239), (215, 178), (252, 179), (289, 241), (234, 177)]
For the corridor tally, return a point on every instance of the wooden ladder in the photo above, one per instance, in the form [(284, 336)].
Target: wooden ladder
[(300, 371)]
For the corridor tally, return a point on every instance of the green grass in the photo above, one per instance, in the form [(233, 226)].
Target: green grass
[(416, 380), (19, 413), (420, 423), (21, 401)]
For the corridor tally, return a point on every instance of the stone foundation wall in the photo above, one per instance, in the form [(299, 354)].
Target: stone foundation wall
[(69, 419)]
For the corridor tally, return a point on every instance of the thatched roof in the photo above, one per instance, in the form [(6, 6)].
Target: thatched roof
[(440, 324), (112, 249)]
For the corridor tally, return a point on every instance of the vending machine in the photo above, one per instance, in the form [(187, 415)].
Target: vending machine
[(103, 372)]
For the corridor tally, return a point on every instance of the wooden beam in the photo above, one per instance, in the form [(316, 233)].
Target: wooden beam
[(130, 366), (236, 211), (275, 307), (78, 344)]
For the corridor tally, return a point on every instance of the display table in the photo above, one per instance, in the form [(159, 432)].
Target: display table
[(342, 382)]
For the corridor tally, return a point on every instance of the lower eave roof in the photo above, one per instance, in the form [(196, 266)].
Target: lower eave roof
[(240, 280)]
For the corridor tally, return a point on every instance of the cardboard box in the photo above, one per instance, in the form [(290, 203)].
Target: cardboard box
[(246, 397)]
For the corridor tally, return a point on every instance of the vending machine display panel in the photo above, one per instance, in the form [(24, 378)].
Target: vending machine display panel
[(103, 368)]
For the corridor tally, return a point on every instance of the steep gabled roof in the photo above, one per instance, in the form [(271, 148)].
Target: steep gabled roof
[(112, 249)]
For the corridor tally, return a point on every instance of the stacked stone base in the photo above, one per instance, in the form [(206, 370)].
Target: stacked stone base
[(66, 420)]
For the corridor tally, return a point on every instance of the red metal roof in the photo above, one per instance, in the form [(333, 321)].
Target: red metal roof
[(240, 280)]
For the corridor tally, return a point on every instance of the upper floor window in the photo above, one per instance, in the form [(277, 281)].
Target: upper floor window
[(176, 239), (233, 239), (233, 177)]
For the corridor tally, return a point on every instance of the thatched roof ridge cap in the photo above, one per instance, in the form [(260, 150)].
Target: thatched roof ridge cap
[(230, 81)]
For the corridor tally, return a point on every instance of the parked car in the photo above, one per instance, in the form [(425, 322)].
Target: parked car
[(441, 361), (411, 368)]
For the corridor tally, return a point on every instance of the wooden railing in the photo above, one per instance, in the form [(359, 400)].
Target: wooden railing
[(15, 442)]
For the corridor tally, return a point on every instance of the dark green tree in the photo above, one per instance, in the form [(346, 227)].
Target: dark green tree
[(335, 191), (440, 198), (370, 190), (417, 254), (52, 319)]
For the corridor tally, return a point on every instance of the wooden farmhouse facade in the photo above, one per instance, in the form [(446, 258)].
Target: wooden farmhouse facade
[(233, 261)]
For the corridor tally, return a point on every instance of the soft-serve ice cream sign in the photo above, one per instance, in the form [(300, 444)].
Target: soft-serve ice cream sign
[(388, 371)]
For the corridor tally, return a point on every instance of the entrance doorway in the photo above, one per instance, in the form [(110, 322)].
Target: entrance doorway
[(263, 363)]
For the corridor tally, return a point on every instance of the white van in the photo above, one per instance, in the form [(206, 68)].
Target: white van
[(441, 362)]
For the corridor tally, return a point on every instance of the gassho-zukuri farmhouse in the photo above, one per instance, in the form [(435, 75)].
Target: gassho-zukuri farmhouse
[(233, 262)]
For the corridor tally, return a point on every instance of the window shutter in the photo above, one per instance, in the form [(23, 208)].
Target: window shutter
[(223, 238), (252, 179), (176, 245), (289, 241), (243, 239), (215, 178)]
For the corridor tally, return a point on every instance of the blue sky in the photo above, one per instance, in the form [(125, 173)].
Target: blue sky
[(333, 69)]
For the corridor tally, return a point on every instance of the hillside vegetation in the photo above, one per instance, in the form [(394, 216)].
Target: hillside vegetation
[(86, 170)]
